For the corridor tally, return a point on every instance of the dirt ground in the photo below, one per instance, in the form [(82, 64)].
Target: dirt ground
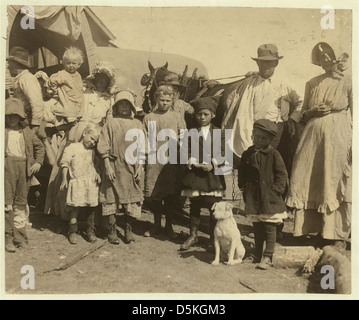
[(149, 265)]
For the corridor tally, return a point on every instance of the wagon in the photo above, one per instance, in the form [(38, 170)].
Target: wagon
[(58, 27)]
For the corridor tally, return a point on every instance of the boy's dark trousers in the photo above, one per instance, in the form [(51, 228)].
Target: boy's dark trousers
[(264, 231), (16, 191), (166, 208)]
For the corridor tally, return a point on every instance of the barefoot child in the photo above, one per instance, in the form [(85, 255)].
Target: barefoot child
[(263, 176), (81, 179), (201, 185), (24, 156), (120, 188)]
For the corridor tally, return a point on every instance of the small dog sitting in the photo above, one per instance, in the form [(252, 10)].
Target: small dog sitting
[(227, 237)]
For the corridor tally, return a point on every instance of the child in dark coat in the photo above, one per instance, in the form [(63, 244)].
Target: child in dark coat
[(263, 176), (201, 184), (24, 156)]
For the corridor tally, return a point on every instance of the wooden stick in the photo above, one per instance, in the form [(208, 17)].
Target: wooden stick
[(79, 256)]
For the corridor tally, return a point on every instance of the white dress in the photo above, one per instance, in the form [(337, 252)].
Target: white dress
[(83, 189)]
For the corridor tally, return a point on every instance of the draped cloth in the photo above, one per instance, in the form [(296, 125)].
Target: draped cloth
[(258, 98), (65, 20)]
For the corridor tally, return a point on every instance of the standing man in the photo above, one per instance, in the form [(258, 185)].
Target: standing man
[(263, 96), (26, 86)]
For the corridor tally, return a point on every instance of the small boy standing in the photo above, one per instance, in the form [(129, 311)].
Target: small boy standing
[(24, 156), (263, 176)]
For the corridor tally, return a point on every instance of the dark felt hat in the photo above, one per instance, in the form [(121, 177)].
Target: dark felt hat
[(15, 106), (210, 103), (267, 52), (266, 125), (171, 79), (20, 55)]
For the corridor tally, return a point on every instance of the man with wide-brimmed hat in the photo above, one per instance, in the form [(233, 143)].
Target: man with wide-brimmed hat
[(26, 86), (263, 96)]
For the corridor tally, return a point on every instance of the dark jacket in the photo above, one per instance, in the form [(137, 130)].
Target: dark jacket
[(197, 179), (264, 177), (34, 148)]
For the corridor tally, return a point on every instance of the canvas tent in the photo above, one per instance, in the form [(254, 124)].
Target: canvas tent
[(58, 27)]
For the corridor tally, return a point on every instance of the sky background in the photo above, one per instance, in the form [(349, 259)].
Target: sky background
[(225, 38)]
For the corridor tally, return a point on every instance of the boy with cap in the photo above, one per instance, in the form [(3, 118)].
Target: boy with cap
[(201, 184), (24, 156), (263, 176), (120, 187)]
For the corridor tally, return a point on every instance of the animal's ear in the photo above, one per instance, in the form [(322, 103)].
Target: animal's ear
[(214, 206), (144, 80), (229, 206), (150, 66), (166, 66)]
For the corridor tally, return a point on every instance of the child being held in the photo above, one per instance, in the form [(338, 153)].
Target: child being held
[(120, 188), (24, 156), (68, 86), (263, 176), (81, 178)]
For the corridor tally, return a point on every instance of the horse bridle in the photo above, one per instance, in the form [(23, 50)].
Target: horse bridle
[(152, 80)]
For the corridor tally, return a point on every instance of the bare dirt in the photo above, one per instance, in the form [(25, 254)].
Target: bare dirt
[(149, 265)]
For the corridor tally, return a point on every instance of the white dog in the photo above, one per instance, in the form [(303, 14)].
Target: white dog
[(227, 237)]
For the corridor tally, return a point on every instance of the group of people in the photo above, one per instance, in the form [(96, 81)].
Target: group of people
[(82, 136)]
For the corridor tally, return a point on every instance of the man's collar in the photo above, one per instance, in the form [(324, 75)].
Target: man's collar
[(270, 79), (21, 73)]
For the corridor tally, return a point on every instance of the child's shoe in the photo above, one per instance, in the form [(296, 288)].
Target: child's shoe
[(265, 264), (72, 238), (112, 235), (90, 235), (9, 243), (128, 234), (170, 233), (154, 231)]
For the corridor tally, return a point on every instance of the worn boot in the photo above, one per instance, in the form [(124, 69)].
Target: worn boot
[(156, 229), (90, 229), (9, 243), (72, 235), (128, 234), (90, 235), (9, 229), (112, 235), (168, 227), (193, 239)]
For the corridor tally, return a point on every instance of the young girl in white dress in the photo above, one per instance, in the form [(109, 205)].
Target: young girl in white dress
[(80, 175)]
